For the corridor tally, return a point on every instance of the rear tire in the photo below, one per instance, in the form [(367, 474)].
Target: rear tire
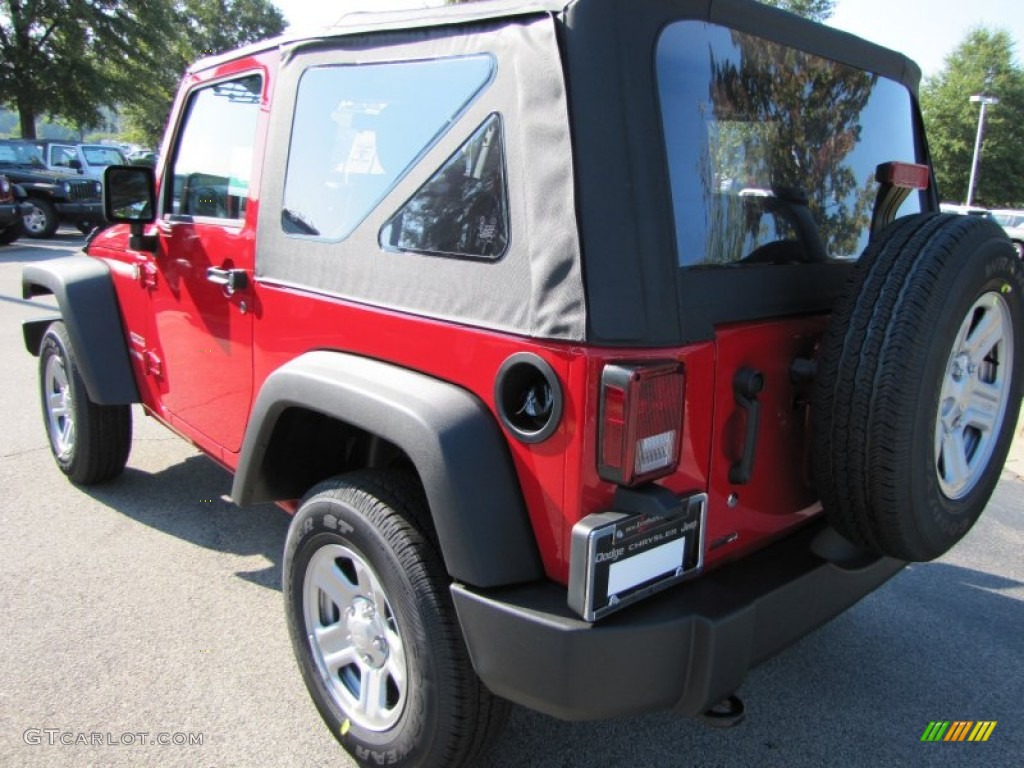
[(374, 629), (919, 385), (89, 442)]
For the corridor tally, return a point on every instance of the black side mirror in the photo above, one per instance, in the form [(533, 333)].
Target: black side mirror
[(129, 197)]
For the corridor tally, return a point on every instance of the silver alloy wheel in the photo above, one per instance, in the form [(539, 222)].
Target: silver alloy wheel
[(35, 222), (60, 422), (354, 637), (974, 396)]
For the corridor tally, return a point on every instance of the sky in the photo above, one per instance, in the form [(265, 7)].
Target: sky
[(928, 30), (925, 30)]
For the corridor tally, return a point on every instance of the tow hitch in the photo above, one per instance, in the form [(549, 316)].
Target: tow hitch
[(725, 714)]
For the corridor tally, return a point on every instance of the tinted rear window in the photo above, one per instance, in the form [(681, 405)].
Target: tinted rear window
[(772, 151)]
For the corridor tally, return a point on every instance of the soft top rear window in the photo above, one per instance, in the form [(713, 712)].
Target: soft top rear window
[(772, 151)]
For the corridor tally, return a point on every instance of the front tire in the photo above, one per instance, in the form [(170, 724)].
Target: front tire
[(89, 442), (374, 631), (42, 220)]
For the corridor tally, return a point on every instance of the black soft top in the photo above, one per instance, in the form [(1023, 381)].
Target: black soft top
[(587, 15), (364, 22), (636, 293), (604, 50)]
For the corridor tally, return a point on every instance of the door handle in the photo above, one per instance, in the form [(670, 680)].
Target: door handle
[(746, 386), (230, 280)]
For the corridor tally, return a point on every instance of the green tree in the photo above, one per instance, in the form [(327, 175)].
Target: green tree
[(54, 54), (982, 63), (215, 26), (817, 10), (202, 28)]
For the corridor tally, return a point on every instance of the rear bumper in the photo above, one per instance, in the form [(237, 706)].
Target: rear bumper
[(685, 649)]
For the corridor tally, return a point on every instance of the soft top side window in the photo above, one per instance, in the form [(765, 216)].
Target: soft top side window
[(462, 210), (358, 129)]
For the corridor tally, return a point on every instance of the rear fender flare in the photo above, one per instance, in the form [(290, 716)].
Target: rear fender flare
[(449, 435)]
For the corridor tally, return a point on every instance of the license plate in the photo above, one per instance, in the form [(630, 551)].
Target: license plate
[(619, 558)]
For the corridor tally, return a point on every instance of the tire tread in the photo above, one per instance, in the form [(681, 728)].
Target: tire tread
[(103, 433), (871, 363), (393, 503)]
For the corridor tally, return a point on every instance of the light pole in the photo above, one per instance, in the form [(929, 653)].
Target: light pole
[(985, 101)]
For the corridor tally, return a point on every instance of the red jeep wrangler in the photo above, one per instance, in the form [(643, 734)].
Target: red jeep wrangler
[(600, 349)]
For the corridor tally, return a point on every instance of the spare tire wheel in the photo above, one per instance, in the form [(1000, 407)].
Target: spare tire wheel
[(920, 379)]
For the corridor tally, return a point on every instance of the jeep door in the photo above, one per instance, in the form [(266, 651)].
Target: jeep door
[(63, 158), (201, 297)]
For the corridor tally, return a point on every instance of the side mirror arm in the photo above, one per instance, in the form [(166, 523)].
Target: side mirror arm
[(139, 240)]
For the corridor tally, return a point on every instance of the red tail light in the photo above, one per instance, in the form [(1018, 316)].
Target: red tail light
[(641, 422)]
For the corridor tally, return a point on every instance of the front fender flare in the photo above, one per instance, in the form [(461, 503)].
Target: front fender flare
[(88, 305), (452, 439)]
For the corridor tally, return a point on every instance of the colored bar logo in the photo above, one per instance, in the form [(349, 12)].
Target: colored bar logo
[(958, 730)]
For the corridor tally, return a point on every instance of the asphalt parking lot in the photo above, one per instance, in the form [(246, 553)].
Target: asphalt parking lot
[(151, 608)]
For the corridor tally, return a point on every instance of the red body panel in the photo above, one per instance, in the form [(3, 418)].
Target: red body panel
[(558, 477), (292, 322), (198, 327), (780, 493)]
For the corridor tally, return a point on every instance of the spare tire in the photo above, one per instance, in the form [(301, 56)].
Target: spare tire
[(919, 385)]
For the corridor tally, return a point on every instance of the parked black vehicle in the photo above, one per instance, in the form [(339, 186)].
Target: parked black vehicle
[(12, 208), (52, 198)]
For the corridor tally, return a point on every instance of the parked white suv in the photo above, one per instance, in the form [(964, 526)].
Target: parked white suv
[(966, 210), (1013, 222), (87, 159)]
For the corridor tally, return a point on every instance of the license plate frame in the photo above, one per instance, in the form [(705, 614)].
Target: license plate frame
[(618, 558)]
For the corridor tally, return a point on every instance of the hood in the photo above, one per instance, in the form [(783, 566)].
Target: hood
[(31, 174)]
